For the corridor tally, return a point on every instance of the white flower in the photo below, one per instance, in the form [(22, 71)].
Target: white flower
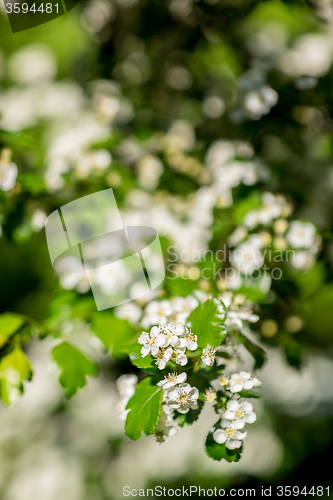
[(179, 357), (182, 398), (172, 379), (8, 174), (182, 307), (243, 381), (164, 428), (189, 340), (131, 311), (242, 413), (157, 313), (301, 234), (210, 395), (247, 256), (170, 334), (208, 355), (163, 356), (259, 102), (126, 388), (229, 434), (151, 342)]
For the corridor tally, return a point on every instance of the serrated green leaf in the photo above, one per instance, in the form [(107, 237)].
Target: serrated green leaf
[(9, 324), (218, 451), (14, 369), (144, 409), (207, 323), (74, 366), (140, 362), (255, 350), (113, 332)]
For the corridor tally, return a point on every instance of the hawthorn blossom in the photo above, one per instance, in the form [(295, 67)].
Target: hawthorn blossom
[(182, 398), (243, 381), (208, 355), (210, 395), (223, 380), (229, 434), (151, 342), (164, 428), (189, 341), (126, 388), (242, 413), (301, 234), (179, 357), (162, 357), (8, 174), (157, 313), (169, 334), (172, 379)]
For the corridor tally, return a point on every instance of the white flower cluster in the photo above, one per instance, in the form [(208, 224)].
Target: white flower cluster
[(302, 237), (175, 310), (126, 389), (242, 381), (208, 355), (178, 394), (168, 343), (233, 421)]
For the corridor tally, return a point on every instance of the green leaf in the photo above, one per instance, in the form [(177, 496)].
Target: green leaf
[(248, 394), (190, 417), (74, 366), (113, 332), (207, 323), (255, 350), (144, 409), (140, 362), (14, 369), (218, 451), (9, 324)]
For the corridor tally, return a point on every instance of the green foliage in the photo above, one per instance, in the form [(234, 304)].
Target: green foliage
[(9, 324), (74, 366), (218, 451), (207, 322), (190, 417), (144, 409), (14, 369), (113, 332), (255, 350)]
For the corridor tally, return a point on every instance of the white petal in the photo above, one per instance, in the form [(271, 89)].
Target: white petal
[(239, 423), (219, 436), (144, 337), (179, 329), (154, 331), (173, 404), (248, 384), (161, 340), (154, 350), (174, 341), (233, 405), (192, 345), (145, 350), (247, 406), (241, 435), (230, 415), (181, 378), (250, 418), (233, 444), (194, 393)]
